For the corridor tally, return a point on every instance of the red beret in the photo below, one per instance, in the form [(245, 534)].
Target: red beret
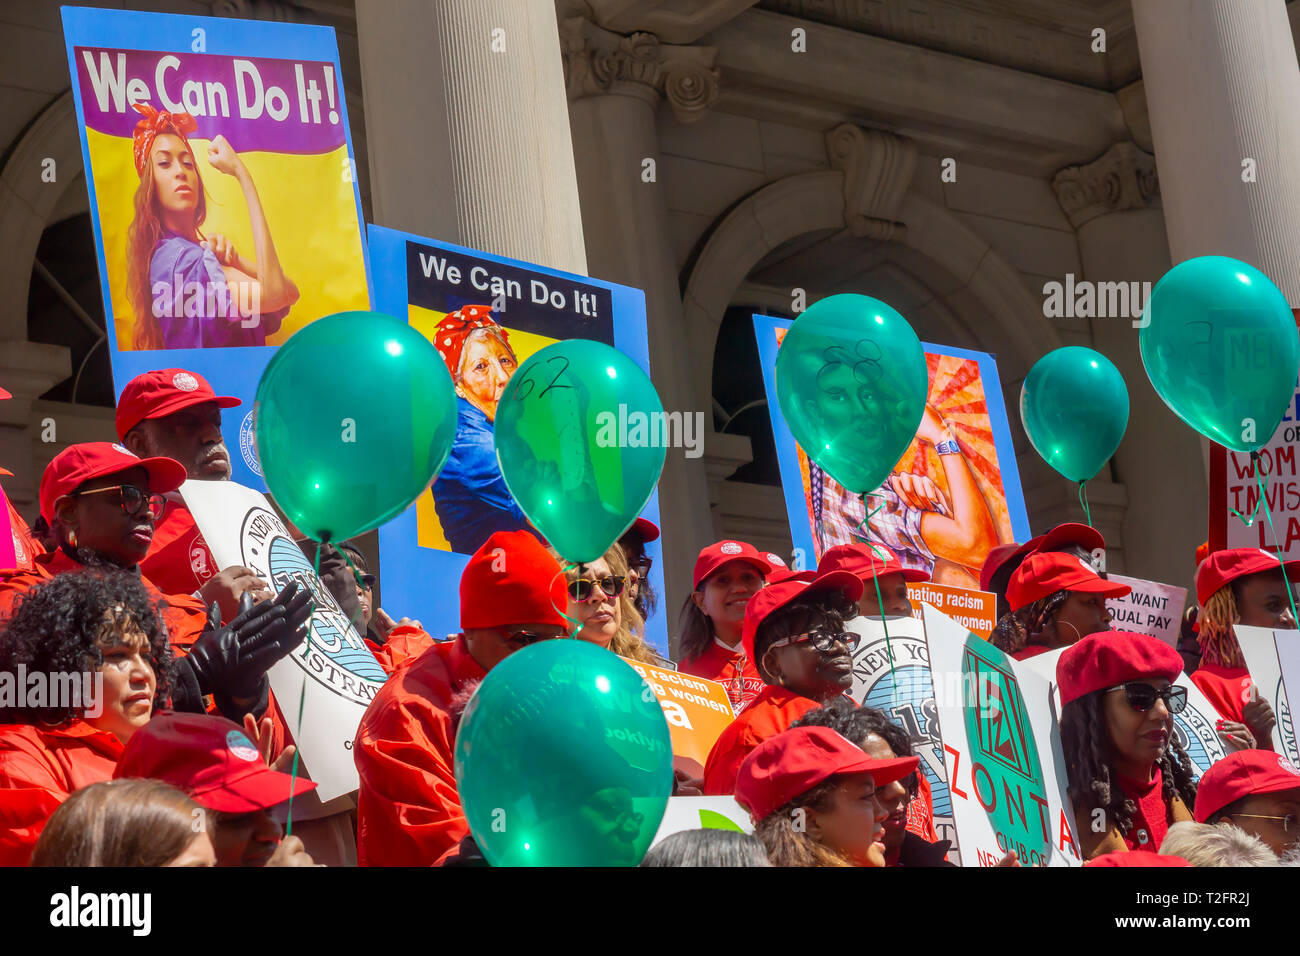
[(1108, 658), (512, 579), (1223, 567)]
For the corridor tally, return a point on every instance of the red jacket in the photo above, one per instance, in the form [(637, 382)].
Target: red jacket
[(408, 811), (730, 668), (178, 561), (772, 711), (39, 768), (1228, 689), (26, 547)]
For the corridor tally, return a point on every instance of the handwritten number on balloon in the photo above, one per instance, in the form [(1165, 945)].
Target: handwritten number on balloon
[(519, 393)]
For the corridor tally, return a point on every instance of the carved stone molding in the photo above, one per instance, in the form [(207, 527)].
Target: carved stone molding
[(877, 169), (597, 61), (1123, 178)]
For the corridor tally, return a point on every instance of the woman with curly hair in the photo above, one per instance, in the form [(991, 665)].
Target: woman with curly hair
[(83, 663), (600, 602), (1129, 778), (1056, 599), (813, 797)]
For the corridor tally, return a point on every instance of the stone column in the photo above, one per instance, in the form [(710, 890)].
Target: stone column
[(615, 84), (469, 127)]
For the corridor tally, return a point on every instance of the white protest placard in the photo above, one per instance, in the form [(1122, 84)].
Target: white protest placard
[(905, 692), (332, 676), (1194, 727), (703, 813), (1150, 608), (1002, 746), (1266, 651)]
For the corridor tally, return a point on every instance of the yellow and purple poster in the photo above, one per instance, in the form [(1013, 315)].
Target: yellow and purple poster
[(223, 192)]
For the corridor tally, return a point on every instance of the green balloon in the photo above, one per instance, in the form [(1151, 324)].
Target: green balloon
[(563, 758), (1074, 406), (1219, 344), (851, 380), (578, 437), (355, 415)]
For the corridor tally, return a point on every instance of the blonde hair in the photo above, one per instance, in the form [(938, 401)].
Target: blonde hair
[(1217, 638), (628, 640)]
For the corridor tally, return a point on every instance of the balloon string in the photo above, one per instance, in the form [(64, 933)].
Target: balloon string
[(863, 531), (302, 697), (1286, 582), (1262, 485), (1083, 500), (550, 590)]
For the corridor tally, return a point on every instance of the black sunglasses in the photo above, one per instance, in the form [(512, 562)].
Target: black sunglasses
[(642, 567), (822, 641), (132, 499), (612, 585), (1143, 696), (523, 638), (367, 580)]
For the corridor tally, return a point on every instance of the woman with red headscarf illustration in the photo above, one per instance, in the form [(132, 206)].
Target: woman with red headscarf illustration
[(469, 495), (189, 290)]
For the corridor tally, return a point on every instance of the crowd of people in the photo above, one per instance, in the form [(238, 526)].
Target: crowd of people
[(137, 724)]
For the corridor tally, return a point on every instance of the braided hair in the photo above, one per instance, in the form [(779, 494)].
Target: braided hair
[(1089, 755), (1032, 624), (1217, 638)]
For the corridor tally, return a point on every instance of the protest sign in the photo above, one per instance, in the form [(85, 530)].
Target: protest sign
[(904, 691), (703, 813), (976, 610), (325, 685), (697, 711), (1150, 608), (1002, 751), (216, 245), (975, 490), (1270, 658), (523, 308)]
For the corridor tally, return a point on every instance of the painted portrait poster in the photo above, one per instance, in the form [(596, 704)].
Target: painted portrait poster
[(941, 513), (222, 188), (486, 315)]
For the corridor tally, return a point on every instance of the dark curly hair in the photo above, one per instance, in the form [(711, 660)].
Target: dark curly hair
[(856, 724), (828, 609), (57, 626), (1029, 624), (1089, 754)]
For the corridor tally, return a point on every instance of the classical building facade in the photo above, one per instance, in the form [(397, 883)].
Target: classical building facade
[(727, 156)]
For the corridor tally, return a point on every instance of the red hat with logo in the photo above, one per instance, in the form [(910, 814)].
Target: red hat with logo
[(512, 579), (164, 392), (1046, 572), (867, 561), (94, 459), (1108, 658), (776, 596), (211, 759), (647, 529), (1242, 774), (721, 552), (794, 761), (1136, 858), (1224, 567)]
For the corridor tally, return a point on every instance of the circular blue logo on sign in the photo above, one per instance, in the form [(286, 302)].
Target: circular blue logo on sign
[(247, 448)]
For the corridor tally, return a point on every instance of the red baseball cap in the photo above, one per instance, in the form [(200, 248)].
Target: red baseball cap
[(867, 561), (999, 556), (794, 761), (1046, 572), (786, 574), (647, 529), (512, 579), (1241, 774), (211, 759), (1136, 858), (1224, 567), (94, 459), (162, 392), (776, 596), (1108, 658), (721, 552), (1085, 536)]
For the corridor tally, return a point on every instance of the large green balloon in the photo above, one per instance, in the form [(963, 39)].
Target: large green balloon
[(851, 380), (563, 758), (1074, 405), (1220, 346), (580, 437), (355, 415)]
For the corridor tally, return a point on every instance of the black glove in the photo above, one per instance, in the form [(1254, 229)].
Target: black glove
[(232, 661)]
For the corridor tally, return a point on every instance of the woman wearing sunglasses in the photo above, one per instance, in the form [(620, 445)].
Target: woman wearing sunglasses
[(795, 633), (1129, 778), (599, 600)]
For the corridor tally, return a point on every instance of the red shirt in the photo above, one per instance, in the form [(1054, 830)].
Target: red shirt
[(39, 769), (408, 811), (772, 711), (920, 810), (730, 668), (1030, 650), (1151, 821), (26, 547), (178, 561)]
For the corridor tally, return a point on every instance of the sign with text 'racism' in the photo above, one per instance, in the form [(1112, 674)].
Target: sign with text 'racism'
[(697, 711)]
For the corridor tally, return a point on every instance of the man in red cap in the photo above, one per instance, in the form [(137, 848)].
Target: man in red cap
[(877, 567), (1080, 540), (639, 563), (174, 413), (409, 812), (1056, 600), (1239, 586), (212, 760), (1256, 791)]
